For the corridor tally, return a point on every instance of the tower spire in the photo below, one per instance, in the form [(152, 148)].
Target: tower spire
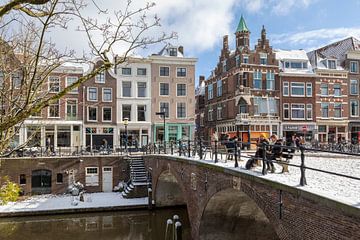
[(242, 25)]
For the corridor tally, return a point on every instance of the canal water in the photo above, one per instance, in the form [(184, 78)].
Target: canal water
[(131, 225)]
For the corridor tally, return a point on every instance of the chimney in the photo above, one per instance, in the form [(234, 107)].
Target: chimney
[(201, 79), (181, 50)]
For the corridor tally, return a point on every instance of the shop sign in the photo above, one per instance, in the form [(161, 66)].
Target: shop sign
[(298, 127)]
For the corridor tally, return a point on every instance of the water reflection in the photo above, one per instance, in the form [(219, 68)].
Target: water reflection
[(142, 225)]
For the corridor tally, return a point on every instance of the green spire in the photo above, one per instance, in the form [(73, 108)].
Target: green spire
[(242, 26)]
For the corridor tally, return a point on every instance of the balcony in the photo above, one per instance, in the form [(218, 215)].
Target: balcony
[(245, 119), (243, 90)]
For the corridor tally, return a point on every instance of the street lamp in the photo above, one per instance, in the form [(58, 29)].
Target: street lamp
[(163, 114), (126, 123)]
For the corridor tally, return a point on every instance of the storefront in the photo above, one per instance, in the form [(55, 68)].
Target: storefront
[(332, 133), (135, 136), (96, 137), (173, 132), (305, 130), (354, 132)]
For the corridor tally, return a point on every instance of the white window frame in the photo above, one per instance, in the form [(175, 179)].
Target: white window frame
[(88, 111), (245, 56), (102, 111), (126, 74), (122, 89), (357, 87), (309, 109), (177, 90), (75, 90), (327, 89), (58, 103), (177, 104), (357, 66), (309, 85), (111, 92), (328, 65), (137, 89), (177, 72), (263, 56), (88, 94), (161, 109), (210, 113), (66, 104), (339, 84), (321, 110), (218, 112), (286, 108), (357, 110), (91, 179), (100, 76), (292, 107), (211, 96), (286, 86), (160, 71), (137, 112), (160, 89), (271, 80), (137, 71), (219, 93), (341, 109), (258, 74), (291, 89), (49, 88)]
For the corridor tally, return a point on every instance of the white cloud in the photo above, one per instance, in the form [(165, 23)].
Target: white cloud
[(312, 39), (253, 6)]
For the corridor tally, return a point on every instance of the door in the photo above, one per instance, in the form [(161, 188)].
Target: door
[(107, 179), (76, 138), (41, 181)]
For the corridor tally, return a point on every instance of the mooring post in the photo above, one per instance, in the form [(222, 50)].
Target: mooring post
[(172, 147), (180, 147), (189, 152), (236, 154), (149, 198), (216, 157), (302, 167), (169, 232)]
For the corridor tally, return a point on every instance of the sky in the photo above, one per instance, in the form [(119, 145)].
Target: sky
[(201, 24)]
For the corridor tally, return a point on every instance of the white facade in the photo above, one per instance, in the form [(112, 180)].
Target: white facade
[(134, 94)]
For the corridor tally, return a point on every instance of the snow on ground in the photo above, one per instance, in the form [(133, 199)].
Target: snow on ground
[(59, 202), (338, 188)]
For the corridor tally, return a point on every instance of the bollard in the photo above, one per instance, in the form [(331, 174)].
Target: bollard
[(216, 156), (180, 147), (200, 152), (178, 231), (149, 198), (169, 232), (159, 148), (172, 147), (264, 171), (236, 155), (175, 219), (189, 152), (164, 147), (302, 167)]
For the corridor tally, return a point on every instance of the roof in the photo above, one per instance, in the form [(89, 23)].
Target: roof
[(242, 26), (166, 51), (291, 55)]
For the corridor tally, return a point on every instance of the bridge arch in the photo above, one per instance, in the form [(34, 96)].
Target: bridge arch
[(232, 214)]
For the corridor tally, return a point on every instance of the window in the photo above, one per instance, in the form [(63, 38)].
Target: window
[(337, 90), (181, 72), (210, 114), (218, 112), (92, 94), (126, 89), (141, 89), (237, 60), (286, 111), (100, 77), (164, 89), (324, 110), (54, 84), (219, 88), (16, 79), (107, 95), (54, 109), (210, 91), (164, 71), (92, 176), (107, 114), (141, 71), (332, 64), (92, 114), (285, 88), (263, 58), (173, 52), (324, 89), (126, 112), (59, 178), (181, 110), (297, 111), (270, 81), (224, 66), (354, 108), (337, 110), (354, 87), (354, 67), (257, 104), (257, 79), (245, 59), (70, 80), (71, 109), (309, 89), (141, 109), (1, 79), (297, 89), (22, 179), (126, 71), (181, 89), (309, 111), (164, 107)]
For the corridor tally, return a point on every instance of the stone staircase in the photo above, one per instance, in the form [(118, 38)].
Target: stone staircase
[(138, 184)]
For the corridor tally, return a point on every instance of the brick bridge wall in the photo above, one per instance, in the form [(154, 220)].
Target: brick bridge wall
[(305, 215)]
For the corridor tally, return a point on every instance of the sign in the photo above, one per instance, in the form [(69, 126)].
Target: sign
[(298, 127)]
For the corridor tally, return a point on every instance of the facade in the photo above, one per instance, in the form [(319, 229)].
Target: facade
[(98, 96), (242, 94), (200, 109), (172, 92), (297, 99), (134, 101)]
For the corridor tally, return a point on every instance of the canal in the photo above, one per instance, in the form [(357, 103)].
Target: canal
[(137, 225)]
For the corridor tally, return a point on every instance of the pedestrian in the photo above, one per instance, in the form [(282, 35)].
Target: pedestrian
[(47, 143), (274, 153)]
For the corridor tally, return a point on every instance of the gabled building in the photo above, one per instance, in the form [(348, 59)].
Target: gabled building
[(200, 109), (242, 94)]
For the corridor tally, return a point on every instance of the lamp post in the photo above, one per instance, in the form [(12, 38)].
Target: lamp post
[(163, 114), (126, 123)]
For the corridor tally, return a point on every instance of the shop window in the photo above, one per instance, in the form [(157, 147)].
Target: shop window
[(59, 178), (63, 136), (22, 179)]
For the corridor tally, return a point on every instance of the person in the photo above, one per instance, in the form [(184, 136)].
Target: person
[(105, 144), (230, 145), (48, 142), (136, 144), (259, 154), (274, 152)]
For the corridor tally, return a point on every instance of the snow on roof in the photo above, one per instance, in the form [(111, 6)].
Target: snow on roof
[(166, 51), (200, 90), (291, 55)]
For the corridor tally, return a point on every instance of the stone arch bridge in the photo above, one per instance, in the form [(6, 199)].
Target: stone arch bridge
[(282, 211)]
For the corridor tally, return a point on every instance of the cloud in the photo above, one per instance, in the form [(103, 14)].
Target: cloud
[(283, 7), (314, 38), (253, 6)]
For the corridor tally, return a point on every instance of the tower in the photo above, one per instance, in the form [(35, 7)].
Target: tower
[(242, 34)]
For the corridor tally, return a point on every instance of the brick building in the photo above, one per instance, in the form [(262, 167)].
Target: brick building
[(200, 109)]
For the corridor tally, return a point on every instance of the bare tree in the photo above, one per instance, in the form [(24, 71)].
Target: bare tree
[(29, 56)]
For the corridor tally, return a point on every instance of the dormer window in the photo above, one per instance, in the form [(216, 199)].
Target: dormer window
[(332, 64), (263, 58), (295, 65), (173, 52)]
